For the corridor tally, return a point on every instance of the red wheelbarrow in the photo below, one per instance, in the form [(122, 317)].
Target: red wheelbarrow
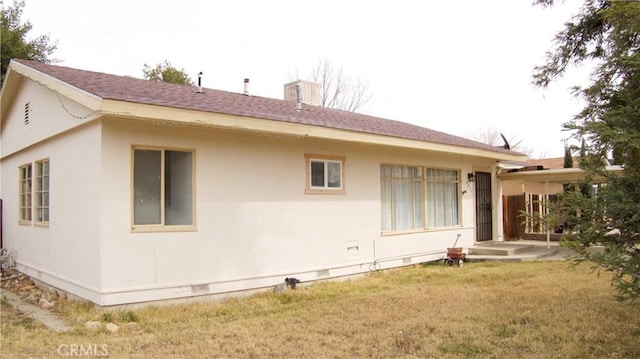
[(455, 255)]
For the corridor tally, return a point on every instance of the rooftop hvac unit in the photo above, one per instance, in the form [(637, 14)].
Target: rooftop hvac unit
[(310, 92)]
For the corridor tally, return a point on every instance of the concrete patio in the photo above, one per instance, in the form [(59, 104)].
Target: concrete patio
[(521, 250)]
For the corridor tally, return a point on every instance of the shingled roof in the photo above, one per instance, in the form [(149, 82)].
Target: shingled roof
[(129, 89)]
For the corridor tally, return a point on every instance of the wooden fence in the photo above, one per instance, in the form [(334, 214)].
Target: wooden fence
[(517, 209)]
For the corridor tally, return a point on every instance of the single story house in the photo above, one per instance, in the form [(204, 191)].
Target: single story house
[(122, 190)]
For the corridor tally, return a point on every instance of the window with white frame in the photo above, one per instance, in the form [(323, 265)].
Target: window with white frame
[(402, 198), (162, 188), (325, 174), (418, 198), (443, 198), (42, 192), (25, 193)]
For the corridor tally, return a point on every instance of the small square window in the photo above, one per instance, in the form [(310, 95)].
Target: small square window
[(325, 174)]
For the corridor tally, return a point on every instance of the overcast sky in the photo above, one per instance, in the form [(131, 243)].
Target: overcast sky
[(460, 67)]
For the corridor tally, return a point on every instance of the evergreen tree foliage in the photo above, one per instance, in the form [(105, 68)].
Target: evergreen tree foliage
[(605, 228), (568, 163), (568, 158), (13, 38)]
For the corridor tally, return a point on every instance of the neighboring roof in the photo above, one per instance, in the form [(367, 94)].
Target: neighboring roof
[(537, 164), (553, 163), (138, 91), (547, 163)]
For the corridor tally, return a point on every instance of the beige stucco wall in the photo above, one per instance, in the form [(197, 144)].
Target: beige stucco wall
[(50, 114), (65, 253), (255, 224)]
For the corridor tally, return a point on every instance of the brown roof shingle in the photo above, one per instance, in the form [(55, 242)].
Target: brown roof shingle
[(124, 88)]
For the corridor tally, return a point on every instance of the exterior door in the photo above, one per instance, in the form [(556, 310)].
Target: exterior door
[(484, 208)]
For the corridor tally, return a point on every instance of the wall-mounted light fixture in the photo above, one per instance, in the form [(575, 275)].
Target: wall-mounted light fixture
[(471, 177)]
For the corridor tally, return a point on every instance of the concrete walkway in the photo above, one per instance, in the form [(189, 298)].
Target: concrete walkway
[(514, 251), (46, 317)]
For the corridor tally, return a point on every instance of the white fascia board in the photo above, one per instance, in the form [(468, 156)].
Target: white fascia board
[(82, 97), (561, 175), (184, 117)]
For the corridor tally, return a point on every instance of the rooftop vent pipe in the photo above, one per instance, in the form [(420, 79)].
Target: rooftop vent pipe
[(246, 87), (200, 82)]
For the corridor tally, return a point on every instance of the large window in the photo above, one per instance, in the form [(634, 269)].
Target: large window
[(442, 198), (412, 196), (402, 198), (25, 194), (162, 188), (42, 192), (325, 174)]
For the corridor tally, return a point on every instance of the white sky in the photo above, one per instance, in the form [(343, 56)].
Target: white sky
[(459, 67)]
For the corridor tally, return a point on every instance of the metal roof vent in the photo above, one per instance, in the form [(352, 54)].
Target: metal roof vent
[(246, 87), (200, 82), (298, 96)]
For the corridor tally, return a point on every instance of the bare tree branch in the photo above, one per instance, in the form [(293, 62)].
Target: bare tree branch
[(339, 90)]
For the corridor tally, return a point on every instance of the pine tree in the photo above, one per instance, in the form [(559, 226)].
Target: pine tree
[(606, 33)]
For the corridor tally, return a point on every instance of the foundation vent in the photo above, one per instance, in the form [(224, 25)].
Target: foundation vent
[(200, 289)]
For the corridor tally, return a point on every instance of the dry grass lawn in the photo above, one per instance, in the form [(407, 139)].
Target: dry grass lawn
[(483, 310)]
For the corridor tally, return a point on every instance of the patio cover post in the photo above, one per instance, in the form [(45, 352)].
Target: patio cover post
[(546, 187)]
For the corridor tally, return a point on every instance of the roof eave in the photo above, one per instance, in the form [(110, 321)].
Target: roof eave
[(9, 89), (562, 175), (83, 97), (146, 112)]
